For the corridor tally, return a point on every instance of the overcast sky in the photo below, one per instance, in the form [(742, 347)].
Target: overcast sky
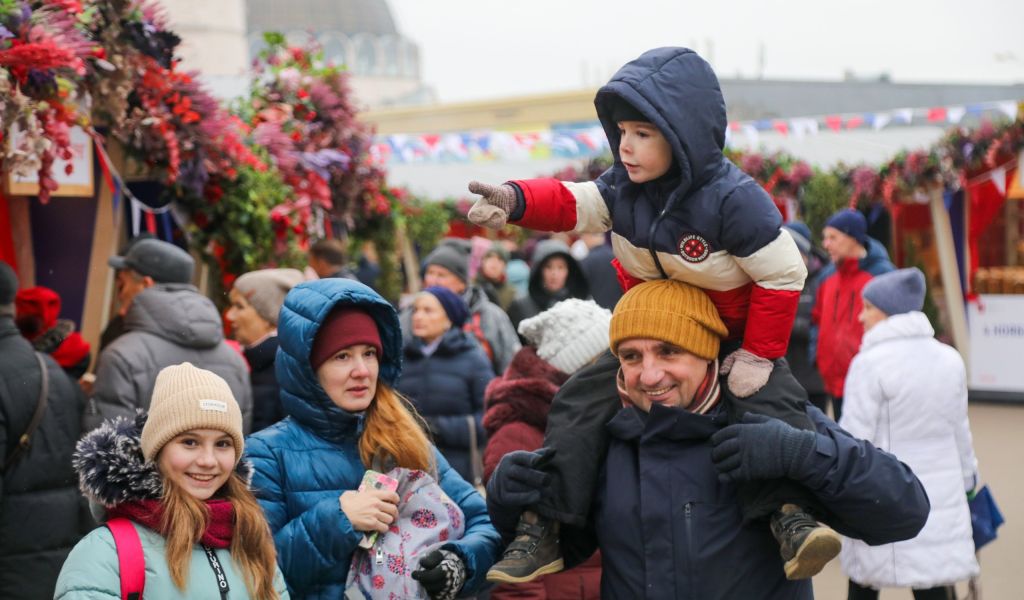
[(477, 49)]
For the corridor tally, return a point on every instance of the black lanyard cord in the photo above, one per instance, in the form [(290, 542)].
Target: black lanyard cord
[(222, 580)]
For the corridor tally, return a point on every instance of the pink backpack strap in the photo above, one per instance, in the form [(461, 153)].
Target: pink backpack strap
[(130, 559)]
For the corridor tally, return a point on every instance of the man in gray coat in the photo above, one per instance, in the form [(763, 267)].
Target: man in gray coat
[(166, 323)]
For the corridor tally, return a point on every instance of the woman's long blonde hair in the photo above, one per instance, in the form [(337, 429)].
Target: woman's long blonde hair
[(395, 431), (185, 518)]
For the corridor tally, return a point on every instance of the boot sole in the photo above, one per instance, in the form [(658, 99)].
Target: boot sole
[(818, 549), (496, 576)]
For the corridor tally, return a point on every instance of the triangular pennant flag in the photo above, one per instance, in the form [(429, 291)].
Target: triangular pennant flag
[(903, 115), (781, 126), (834, 123), (1008, 108), (999, 179), (881, 120), (802, 127), (854, 122), (936, 114), (955, 113)]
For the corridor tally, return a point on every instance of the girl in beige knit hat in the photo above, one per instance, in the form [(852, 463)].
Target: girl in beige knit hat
[(176, 478)]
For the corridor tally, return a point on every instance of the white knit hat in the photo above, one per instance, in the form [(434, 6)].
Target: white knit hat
[(568, 335), (187, 398)]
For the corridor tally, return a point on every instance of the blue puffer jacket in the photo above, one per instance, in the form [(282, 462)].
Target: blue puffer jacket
[(446, 387), (305, 462)]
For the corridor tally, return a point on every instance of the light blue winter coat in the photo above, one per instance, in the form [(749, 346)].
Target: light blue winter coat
[(304, 463)]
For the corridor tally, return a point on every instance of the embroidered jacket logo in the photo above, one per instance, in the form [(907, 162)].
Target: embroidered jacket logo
[(694, 248)]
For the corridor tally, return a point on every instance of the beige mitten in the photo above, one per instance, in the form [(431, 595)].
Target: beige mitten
[(493, 209), (747, 373)]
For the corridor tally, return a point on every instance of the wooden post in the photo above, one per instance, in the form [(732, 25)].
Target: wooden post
[(953, 291), (106, 238)]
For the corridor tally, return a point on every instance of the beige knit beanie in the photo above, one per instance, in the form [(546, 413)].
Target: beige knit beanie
[(671, 311), (186, 398), (265, 290)]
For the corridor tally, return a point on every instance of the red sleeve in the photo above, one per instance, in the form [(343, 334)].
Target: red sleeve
[(511, 437), (770, 321), (550, 206)]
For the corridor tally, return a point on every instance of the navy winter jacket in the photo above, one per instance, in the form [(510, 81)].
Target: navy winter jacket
[(667, 529), (446, 387), (304, 463)]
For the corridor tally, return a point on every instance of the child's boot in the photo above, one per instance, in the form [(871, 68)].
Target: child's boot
[(534, 552), (806, 545)]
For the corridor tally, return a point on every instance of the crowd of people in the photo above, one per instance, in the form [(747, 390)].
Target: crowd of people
[(641, 414)]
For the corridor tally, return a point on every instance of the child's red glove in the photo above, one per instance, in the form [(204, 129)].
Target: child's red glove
[(626, 281)]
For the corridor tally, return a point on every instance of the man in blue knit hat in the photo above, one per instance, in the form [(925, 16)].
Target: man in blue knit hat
[(856, 258)]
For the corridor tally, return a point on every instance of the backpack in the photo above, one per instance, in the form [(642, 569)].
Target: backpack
[(131, 561), (427, 519)]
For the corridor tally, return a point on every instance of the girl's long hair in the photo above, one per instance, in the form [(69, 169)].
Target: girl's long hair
[(394, 431), (185, 519)]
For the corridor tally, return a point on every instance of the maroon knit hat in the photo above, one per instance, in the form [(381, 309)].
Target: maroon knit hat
[(344, 327)]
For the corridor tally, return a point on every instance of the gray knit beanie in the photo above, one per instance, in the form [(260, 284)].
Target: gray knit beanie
[(450, 258), (265, 290), (568, 335), (897, 292)]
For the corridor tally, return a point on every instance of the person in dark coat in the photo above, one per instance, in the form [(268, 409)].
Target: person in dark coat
[(601, 275), (554, 276), (798, 355), (256, 298), (445, 374), (560, 341), (666, 515), (42, 515)]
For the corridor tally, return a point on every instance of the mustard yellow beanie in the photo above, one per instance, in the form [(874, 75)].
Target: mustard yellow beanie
[(671, 311), (186, 398)]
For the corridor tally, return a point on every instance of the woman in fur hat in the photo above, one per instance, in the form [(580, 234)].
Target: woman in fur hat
[(176, 475), (339, 359)]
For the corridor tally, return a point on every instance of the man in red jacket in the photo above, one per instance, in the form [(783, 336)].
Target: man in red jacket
[(856, 259)]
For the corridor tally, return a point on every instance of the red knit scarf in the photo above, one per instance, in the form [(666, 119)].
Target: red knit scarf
[(218, 532)]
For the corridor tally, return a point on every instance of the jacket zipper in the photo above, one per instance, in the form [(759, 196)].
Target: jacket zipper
[(688, 519), (650, 241)]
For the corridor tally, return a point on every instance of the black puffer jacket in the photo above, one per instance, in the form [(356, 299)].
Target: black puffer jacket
[(42, 515), (540, 299), (266, 394)]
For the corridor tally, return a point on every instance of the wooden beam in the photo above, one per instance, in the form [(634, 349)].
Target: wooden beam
[(106, 239), (952, 290)]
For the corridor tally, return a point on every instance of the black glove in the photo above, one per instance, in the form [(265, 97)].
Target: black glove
[(760, 448), (498, 202), (518, 481), (441, 573)]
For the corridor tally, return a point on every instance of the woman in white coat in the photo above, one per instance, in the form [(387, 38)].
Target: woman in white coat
[(906, 393)]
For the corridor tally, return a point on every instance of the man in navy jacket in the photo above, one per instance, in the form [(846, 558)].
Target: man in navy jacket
[(666, 516)]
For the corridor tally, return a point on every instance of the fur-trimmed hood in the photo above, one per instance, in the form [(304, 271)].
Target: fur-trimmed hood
[(523, 393), (111, 468)]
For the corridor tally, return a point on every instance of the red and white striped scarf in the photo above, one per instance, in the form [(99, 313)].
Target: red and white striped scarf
[(706, 397)]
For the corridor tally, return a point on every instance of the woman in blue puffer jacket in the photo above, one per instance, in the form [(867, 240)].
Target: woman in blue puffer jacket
[(339, 358)]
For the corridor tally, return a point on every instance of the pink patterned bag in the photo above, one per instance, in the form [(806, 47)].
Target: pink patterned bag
[(427, 519)]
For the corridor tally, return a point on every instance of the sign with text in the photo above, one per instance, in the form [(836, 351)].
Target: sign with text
[(996, 326)]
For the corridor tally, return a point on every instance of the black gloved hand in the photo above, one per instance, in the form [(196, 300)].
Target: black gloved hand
[(760, 448), (441, 573), (498, 202), (518, 481)]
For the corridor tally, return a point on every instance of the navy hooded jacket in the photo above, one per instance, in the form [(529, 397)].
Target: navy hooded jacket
[(669, 530)]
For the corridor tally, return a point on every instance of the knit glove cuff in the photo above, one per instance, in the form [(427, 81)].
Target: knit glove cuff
[(796, 445), (495, 206), (442, 574)]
